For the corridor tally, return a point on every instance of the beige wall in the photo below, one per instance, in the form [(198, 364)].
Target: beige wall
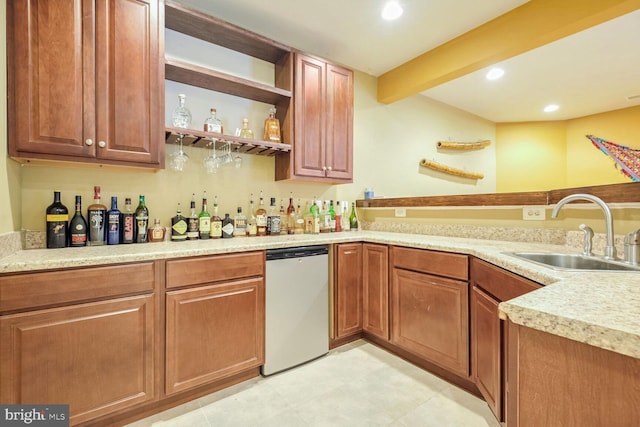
[(535, 156)]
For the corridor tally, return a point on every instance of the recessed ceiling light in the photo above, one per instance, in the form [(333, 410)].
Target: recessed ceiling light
[(495, 73), (551, 108), (391, 10)]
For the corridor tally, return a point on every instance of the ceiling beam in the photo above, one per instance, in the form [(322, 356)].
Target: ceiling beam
[(524, 28)]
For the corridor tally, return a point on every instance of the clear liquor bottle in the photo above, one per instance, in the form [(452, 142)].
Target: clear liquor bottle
[(299, 227), (284, 221), (57, 223), (113, 223), (273, 219), (245, 132), (240, 224), (97, 217), (291, 216), (212, 123), (252, 226), (78, 226), (157, 232), (181, 117)]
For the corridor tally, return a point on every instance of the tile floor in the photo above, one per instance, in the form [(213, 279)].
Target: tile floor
[(355, 385)]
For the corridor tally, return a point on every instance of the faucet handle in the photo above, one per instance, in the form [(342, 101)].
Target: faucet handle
[(588, 238)]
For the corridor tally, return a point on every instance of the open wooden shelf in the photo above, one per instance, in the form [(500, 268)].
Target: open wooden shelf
[(205, 27), (195, 75), (192, 137)]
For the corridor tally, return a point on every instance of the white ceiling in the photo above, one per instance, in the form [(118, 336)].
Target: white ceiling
[(586, 73)]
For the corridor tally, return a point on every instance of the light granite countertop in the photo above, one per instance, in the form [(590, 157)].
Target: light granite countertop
[(600, 309)]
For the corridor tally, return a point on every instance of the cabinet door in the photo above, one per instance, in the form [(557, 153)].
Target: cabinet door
[(486, 358), (213, 332), (430, 318), (348, 289), (51, 77), (97, 357), (310, 117), (375, 290), (339, 128), (130, 82)]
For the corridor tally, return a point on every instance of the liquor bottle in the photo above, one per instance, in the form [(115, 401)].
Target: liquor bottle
[(113, 223), (338, 220), (353, 218), (204, 220), (216, 221), (273, 219), (57, 223), (261, 218), (272, 127), (325, 218), (245, 132), (181, 117), (283, 219), (299, 227), (291, 216), (193, 221), (179, 226), (142, 222), (97, 217), (240, 224), (78, 226), (156, 233), (227, 227), (346, 224), (332, 217), (127, 223), (212, 123), (252, 227)]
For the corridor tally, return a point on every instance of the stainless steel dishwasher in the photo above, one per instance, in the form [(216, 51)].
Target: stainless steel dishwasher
[(297, 307)]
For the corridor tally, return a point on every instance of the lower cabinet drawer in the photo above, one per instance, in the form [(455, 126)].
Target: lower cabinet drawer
[(214, 268), (445, 264), (213, 332)]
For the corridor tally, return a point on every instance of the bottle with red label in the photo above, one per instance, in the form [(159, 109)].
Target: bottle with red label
[(127, 223)]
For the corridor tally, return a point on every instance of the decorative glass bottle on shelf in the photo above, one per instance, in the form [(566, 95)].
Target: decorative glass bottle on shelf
[(181, 115), (245, 132), (272, 127), (212, 123)]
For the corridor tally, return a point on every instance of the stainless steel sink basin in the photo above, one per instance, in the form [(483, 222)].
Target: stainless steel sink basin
[(574, 261)]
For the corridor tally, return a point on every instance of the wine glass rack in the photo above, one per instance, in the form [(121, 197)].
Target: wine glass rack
[(196, 138)]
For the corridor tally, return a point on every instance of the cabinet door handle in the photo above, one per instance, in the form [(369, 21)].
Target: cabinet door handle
[(329, 168), (102, 144), (88, 141), (324, 168), (348, 252)]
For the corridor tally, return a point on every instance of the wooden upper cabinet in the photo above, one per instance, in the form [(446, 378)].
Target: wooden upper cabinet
[(92, 91), (323, 123)]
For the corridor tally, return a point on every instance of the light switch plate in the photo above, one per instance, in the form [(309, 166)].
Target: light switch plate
[(401, 212), (533, 213)]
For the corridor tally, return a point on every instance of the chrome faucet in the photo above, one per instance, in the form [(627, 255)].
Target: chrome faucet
[(609, 249)]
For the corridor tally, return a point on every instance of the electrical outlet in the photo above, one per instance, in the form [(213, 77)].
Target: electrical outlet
[(401, 212), (533, 213)]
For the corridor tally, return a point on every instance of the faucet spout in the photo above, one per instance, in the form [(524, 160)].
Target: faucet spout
[(610, 249)]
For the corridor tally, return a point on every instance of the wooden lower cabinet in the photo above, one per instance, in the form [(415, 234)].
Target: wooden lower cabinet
[(375, 289), (430, 318), (489, 335), (348, 289), (97, 357), (213, 332), (567, 383)]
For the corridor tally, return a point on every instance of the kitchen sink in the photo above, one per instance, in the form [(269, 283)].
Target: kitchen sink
[(574, 261)]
